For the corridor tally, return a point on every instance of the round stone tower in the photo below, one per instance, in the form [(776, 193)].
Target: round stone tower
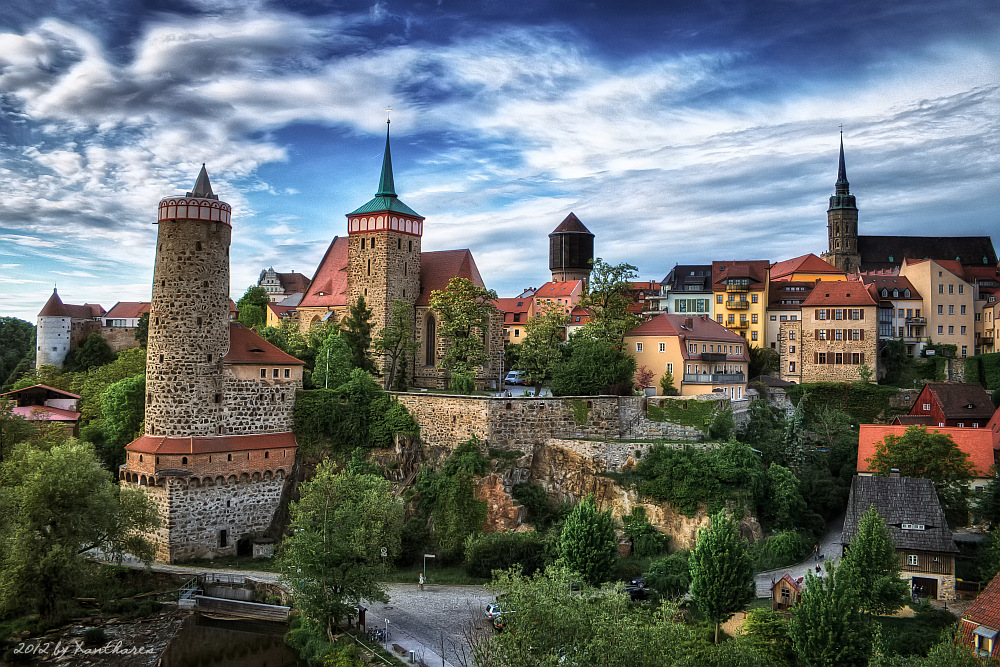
[(53, 332), (571, 250), (189, 316)]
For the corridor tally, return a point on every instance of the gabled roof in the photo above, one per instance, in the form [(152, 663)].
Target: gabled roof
[(795, 584), (559, 288), (437, 268), (804, 264), (515, 304), (789, 291), (960, 399), (683, 276), (128, 310), (246, 347), (57, 393), (329, 283), (880, 281), (571, 224), (158, 444), (279, 310), (839, 293), (693, 327), (880, 252), (978, 443), (985, 609), (898, 501), (293, 282), (755, 269)]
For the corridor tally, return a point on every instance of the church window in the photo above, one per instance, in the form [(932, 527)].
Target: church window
[(184, 460), (431, 341), (399, 244)]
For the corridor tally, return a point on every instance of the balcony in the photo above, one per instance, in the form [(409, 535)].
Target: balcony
[(916, 320), (742, 324), (737, 305), (737, 288), (713, 356), (715, 378)]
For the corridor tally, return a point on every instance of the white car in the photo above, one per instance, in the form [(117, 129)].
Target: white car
[(515, 377)]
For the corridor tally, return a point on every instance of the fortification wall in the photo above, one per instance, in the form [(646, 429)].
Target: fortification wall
[(258, 406), (120, 338)]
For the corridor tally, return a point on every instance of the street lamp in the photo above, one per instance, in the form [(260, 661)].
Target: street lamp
[(426, 556)]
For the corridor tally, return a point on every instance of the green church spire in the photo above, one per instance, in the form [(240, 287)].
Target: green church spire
[(386, 188)]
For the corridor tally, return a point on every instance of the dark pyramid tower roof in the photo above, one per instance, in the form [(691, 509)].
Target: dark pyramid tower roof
[(54, 307), (843, 187), (385, 199), (571, 224), (202, 187)]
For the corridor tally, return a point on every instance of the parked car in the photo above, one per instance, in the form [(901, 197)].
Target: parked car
[(636, 589), (515, 377), (493, 610)]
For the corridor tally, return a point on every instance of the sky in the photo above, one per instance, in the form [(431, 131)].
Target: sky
[(678, 131)]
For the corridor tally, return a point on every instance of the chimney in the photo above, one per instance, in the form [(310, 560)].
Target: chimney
[(894, 472), (688, 322)]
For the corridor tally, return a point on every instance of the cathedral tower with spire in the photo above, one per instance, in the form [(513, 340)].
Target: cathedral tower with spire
[(842, 223), (384, 249)]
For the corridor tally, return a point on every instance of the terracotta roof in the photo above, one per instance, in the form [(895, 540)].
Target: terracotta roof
[(985, 609), (88, 311), (128, 310), (45, 413), (514, 304), (156, 444), (246, 347), (293, 282), (329, 283), (571, 223), (900, 500), (437, 268), (699, 327), (978, 443), (788, 290), (839, 293), (878, 282), (54, 307), (559, 288), (756, 270), (961, 399), (42, 386), (805, 264), (876, 251), (279, 310)]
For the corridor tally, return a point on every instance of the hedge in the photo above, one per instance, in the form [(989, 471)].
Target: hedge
[(865, 403)]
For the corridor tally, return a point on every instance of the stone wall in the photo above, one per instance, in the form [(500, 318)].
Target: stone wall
[(258, 406), (120, 338), (194, 516), (956, 369)]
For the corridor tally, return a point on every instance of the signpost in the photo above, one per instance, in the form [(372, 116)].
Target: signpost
[(426, 556)]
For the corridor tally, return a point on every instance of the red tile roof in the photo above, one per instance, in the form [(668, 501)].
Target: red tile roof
[(128, 309), (878, 282), (756, 270), (246, 347), (281, 311), (515, 304), (45, 413), (329, 283), (985, 609), (55, 307), (788, 290), (699, 327), (978, 443), (437, 268), (914, 420), (157, 444), (559, 288), (839, 293), (805, 264), (293, 282)]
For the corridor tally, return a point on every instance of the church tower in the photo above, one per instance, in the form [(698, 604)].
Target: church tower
[(384, 250), (842, 223), (189, 315), (571, 250)]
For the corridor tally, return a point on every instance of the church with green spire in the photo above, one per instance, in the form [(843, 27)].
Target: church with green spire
[(382, 260)]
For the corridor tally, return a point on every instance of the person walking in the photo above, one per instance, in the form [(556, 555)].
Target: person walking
[(816, 551), (420, 582)]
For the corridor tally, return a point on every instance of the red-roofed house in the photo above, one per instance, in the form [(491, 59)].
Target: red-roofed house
[(786, 592), (980, 624), (563, 296), (900, 314), (834, 338), (62, 327), (578, 317), (516, 311), (119, 325), (960, 404), (979, 444), (700, 354), (807, 267), (381, 260)]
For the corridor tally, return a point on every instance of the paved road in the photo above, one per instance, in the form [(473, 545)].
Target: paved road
[(829, 547)]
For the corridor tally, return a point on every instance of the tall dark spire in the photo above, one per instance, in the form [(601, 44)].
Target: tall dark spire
[(386, 188), (202, 187), (843, 187)]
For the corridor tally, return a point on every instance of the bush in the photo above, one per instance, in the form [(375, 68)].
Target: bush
[(94, 636), (723, 425), (542, 511), (670, 576), (785, 548), (646, 540), (462, 383), (500, 551), (593, 367)]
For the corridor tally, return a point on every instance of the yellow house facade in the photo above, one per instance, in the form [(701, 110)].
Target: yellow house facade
[(740, 292)]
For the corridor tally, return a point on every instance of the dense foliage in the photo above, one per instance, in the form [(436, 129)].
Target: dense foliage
[(827, 628), (540, 348), (466, 310), (252, 307), (872, 561), (17, 348), (487, 552), (721, 570), (608, 299), (646, 540), (357, 333), (591, 367), (396, 343), (865, 403), (670, 576), (587, 544)]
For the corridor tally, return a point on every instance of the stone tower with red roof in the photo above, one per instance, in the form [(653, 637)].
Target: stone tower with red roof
[(218, 441), (61, 329), (383, 249)]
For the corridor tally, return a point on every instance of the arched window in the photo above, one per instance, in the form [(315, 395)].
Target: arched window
[(430, 342), (184, 460), (906, 293), (885, 292), (895, 293)]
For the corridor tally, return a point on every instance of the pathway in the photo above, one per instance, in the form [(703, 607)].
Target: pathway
[(829, 546)]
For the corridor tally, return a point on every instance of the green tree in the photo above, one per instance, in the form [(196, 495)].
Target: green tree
[(357, 333), (787, 507), (331, 559), (539, 353), (763, 361), (142, 331), (827, 627), (129, 363), (94, 352), (333, 362), (764, 430), (14, 429), (670, 576), (396, 341), (667, 384), (587, 544), (253, 307), (768, 631), (123, 405), (17, 342), (871, 558), (593, 367), (466, 310), (56, 504), (448, 499), (608, 298), (646, 540), (721, 570)]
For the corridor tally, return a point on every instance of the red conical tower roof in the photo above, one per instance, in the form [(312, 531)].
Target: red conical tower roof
[(54, 307)]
